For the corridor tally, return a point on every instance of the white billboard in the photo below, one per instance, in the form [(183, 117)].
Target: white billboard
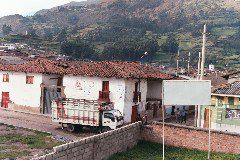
[(186, 92)]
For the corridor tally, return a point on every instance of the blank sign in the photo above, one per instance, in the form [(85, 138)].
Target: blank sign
[(182, 92)]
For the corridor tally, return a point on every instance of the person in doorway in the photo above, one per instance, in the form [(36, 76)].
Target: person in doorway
[(184, 116), (178, 116)]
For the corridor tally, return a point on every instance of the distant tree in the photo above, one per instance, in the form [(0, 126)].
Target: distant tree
[(32, 32), (131, 49), (171, 45), (78, 49), (6, 29)]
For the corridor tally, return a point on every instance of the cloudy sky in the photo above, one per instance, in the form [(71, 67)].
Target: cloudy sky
[(26, 7)]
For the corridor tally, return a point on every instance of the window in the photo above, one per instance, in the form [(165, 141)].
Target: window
[(6, 77), (29, 79), (110, 116), (230, 100)]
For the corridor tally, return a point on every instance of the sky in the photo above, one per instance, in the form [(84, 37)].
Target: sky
[(28, 7)]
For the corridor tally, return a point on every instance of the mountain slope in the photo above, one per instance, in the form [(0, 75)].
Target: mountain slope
[(105, 22)]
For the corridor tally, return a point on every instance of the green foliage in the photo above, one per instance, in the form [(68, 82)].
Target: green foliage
[(6, 29), (171, 45), (131, 49), (78, 49), (153, 151)]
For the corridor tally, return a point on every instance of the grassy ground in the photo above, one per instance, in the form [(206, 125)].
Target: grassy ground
[(153, 151), (22, 143)]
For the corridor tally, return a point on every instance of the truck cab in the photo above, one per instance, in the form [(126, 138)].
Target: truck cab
[(112, 119)]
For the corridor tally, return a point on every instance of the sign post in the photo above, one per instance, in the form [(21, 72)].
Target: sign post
[(185, 92)]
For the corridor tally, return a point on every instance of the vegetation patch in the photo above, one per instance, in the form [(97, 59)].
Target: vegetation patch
[(153, 151)]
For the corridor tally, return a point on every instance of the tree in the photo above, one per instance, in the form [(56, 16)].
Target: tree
[(171, 45), (131, 49), (78, 49), (6, 29)]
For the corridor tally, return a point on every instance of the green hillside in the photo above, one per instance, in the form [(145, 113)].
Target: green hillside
[(109, 25)]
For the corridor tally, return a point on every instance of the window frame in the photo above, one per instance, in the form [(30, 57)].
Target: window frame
[(29, 79), (5, 77)]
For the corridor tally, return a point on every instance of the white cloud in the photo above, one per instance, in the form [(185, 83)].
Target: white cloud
[(9, 7)]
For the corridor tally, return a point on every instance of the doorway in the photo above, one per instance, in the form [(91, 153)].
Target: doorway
[(134, 114), (206, 118), (49, 95), (5, 99)]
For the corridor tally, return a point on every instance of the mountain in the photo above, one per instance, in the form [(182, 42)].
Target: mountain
[(105, 22)]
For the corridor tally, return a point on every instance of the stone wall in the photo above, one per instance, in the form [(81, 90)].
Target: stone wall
[(97, 147), (192, 138)]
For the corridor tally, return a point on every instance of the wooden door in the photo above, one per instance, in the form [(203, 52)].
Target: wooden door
[(206, 118), (5, 99), (134, 114), (105, 86)]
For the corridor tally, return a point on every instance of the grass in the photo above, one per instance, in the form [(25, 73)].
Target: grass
[(13, 155), (153, 151), (38, 141)]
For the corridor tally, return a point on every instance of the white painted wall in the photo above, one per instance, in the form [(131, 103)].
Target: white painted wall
[(154, 89), (21, 93), (129, 89), (80, 87)]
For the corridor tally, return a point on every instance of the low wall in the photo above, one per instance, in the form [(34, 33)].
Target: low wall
[(97, 147), (192, 138)]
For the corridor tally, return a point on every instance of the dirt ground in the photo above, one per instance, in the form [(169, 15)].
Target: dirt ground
[(41, 123)]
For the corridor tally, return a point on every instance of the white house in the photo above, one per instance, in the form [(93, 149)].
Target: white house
[(31, 86)]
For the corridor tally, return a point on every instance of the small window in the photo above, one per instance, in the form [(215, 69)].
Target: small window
[(29, 79), (110, 116), (5, 77)]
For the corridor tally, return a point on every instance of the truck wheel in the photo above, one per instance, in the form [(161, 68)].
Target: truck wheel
[(71, 127), (104, 129)]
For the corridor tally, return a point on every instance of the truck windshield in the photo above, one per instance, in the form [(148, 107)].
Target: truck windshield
[(117, 113)]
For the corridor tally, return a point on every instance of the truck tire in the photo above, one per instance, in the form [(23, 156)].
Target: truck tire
[(71, 127), (104, 129)]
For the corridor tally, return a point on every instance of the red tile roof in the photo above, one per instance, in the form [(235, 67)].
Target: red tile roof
[(118, 69)]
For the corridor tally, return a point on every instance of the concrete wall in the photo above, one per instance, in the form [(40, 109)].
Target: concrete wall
[(97, 147), (20, 93), (192, 138)]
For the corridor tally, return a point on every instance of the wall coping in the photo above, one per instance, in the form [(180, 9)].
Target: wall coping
[(194, 128)]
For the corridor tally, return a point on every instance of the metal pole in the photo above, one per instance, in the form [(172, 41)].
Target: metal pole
[(189, 56), (178, 60), (163, 124), (209, 133), (199, 65), (197, 108)]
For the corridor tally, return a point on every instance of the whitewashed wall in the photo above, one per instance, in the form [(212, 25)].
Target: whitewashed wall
[(154, 89), (129, 89), (21, 93), (80, 87)]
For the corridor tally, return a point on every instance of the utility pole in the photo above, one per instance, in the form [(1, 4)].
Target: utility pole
[(202, 68), (203, 51), (189, 58), (199, 65), (178, 60), (198, 78)]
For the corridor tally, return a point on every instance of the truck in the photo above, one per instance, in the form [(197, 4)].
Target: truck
[(78, 113)]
